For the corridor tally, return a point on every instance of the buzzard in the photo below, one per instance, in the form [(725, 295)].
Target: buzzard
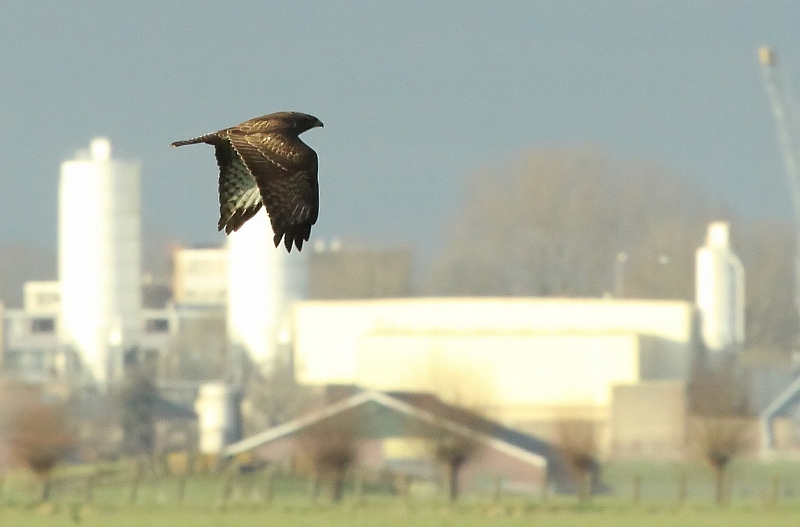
[(263, 162)]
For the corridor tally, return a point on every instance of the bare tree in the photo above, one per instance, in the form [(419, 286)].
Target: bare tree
[(461, 395), (553, 224), (330, 448), (767, 252), (273, 399), (452, 450), (720, 429), (719, 440), (137, 402), (577, 444), (41, 438)]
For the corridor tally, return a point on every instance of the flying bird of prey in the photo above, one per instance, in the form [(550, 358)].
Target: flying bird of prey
[(263, 162)]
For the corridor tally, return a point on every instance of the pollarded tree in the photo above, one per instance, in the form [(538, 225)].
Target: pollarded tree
[(40, 436), (577, 444), (330, 447)]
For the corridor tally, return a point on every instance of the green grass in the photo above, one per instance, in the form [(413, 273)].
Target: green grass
[(397, 516), (157, 502)]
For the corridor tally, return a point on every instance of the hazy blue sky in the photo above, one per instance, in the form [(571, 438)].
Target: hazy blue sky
[(415, 97)]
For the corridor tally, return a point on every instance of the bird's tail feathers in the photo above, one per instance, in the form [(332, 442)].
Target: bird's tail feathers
[(206, 138)]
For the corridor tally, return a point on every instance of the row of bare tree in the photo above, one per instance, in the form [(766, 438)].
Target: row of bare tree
[(554, 224)]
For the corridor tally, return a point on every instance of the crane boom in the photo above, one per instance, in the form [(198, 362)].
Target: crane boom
[(786, 115), (782, 110)]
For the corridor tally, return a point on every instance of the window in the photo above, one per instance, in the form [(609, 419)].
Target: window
[(156, 325), (43, 325)]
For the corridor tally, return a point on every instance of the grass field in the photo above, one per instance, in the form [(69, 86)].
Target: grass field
[(762, 495), (394, 516)]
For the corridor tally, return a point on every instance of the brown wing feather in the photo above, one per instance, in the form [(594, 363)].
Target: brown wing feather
[(285, 170)]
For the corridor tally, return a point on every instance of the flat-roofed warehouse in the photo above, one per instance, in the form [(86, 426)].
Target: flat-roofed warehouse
[(530, 362)]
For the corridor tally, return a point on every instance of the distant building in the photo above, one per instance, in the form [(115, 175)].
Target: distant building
[(200, 276), (530, 362), (339, 272), (720, 291), (42, 297), (649, 420), (399, 432), (99, 259), (31, 349)]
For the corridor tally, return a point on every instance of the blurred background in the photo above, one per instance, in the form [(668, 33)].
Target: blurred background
[(568, 228)]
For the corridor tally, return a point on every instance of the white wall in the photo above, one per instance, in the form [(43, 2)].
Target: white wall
[(216, 412), (41, 296), (524, 352), (515, 372)]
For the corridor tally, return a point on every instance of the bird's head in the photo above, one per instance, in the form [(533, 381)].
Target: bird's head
[(303, 122)]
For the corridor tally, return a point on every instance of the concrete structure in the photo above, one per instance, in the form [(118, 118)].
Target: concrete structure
[(99, 259), (217, 410), (200, 276), (720, 291), (177, 340), (524, 359), (263, 282), (31, 348), (649, 420), (41, 297)]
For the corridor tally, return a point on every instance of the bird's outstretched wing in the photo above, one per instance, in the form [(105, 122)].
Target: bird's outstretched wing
[(239, 196), (285, 170)]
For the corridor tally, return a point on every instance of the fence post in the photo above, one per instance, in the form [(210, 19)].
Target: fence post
[(544, 491), (90, 480), (775, 490), (137, 479), (682, 487), (269, 485), (182, 486), (359, 486), (227, 488), (315, 486), (403, 482), (497, 490), (636, 489)]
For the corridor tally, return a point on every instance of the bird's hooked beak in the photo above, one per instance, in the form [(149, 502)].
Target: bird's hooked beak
[(319, 124)]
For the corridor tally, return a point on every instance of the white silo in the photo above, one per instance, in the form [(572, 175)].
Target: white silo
[(99, 258), (263, 282), (719, 287)]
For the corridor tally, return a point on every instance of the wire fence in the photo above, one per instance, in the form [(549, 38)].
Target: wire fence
[(140, 484)]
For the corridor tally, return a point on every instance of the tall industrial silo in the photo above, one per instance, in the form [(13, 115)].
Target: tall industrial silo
[(719, 287), (263, 282), (99, 258)]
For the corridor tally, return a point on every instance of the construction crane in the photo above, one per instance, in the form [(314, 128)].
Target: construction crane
[(785, 113)]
